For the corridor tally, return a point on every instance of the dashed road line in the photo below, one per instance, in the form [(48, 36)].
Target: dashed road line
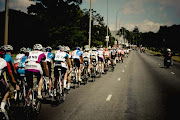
[(119, 79), (123, 70), (172, 73), (109, 97), (125, 65)]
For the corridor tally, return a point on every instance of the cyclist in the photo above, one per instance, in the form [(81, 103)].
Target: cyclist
[(61, 60), (113, 56), (34, 64), (107, 56), (119, 54), (49, 57), (122, 55), (67, 50), (4, 87), (101, 57), (8, 49), (86, 56), (78, 59)]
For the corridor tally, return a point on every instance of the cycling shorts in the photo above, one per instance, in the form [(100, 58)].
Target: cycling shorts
[(76, 63), (56, 71), (100, 59), (4, 87)]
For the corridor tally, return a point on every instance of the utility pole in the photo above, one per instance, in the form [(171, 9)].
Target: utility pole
[(107, 25), (6, 22), (90, 25)]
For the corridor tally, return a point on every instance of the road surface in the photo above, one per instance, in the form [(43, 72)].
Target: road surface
[(138, 89)]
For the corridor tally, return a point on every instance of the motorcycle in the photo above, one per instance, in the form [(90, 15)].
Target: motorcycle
[(167, 61)]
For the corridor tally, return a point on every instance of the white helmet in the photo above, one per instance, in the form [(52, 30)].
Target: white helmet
[(168, 50), (23, 50), (37, 47), (8, 48)]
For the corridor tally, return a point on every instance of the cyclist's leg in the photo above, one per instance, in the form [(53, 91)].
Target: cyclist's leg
[(4, 89), (65, 77), (40, 83), (56, 76), (50, 78)]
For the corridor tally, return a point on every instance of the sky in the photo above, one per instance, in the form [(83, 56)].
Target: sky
[(147, 15)]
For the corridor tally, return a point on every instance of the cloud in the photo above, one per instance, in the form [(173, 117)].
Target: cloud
[(134, 7), (144, 26), (20, 4)]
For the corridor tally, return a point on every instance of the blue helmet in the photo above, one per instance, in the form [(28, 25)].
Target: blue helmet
[(48, 49), (78, 48)]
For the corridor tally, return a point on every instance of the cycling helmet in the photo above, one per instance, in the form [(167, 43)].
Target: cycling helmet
[(94, 49), (8, 48), (78, 48), (48, 49), (59, 47), (22, 50), (68, 49), (168, 50), (86, 49), (62, 48), (101, 49), (106, 49), (37, 47)]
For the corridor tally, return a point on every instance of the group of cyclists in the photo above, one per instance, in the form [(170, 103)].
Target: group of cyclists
[(43, 62)]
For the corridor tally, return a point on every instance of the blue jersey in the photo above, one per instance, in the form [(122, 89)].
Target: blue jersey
[(76, 54), (49, 56), (21, 66), (8, 58)]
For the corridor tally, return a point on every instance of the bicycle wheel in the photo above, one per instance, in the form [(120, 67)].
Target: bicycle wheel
[(29, 105)]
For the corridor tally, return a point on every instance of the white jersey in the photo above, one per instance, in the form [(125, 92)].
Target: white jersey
[(18, 58), (94, 55), (61, 57), (101, 54), (33, 62), (86, 56)]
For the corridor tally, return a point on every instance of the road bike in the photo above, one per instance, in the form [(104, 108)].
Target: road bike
[(32, 103), (85, 72), (4, 115), (60, 91), (93, 70)]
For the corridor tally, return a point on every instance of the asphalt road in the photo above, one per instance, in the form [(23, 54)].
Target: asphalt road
[(139, 89)]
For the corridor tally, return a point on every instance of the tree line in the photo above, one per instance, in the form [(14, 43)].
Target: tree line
[(166, 37), (53, 23)]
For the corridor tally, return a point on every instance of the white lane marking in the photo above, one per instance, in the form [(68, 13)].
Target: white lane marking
[(119, 79), (109, 97), (172, 73), (125, 66), (123, 70), (159, 64)]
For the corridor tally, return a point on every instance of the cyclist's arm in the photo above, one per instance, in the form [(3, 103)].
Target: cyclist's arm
[(10, 73), (45, 68)]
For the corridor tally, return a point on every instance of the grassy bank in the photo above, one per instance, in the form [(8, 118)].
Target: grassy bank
[(175, 58)]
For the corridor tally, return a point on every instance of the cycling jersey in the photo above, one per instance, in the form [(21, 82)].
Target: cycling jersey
[(113, 54), (86, 56), (49, 56), (18, 58), (76, 54), (106, 54), (34, 60), (101, 54), (21, 66), (60, 57), (122, 52), (94, 56), (3, 66), (8, 58)]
